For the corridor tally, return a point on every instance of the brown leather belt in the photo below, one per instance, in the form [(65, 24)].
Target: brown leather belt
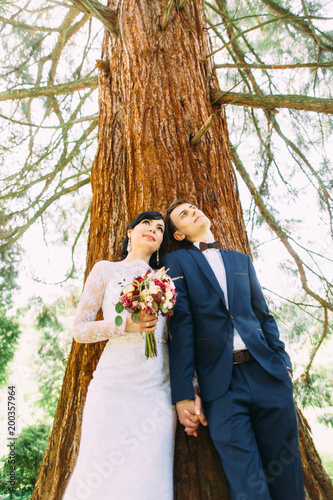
[(242, 357)]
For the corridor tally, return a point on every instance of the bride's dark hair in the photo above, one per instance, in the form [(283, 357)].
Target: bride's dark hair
[(137, 219)]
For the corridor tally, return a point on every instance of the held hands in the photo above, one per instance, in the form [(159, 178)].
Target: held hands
[(146, 324), (190, 414)]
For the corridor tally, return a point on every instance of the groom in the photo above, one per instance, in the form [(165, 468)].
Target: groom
[(222, 329)]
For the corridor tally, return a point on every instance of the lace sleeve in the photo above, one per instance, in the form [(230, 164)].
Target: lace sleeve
[(86, 329)]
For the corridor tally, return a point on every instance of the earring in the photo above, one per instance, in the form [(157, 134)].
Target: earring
[(158, 257), (129, 246)]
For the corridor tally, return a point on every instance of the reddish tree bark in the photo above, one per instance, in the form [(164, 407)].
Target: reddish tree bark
[(154, 97)]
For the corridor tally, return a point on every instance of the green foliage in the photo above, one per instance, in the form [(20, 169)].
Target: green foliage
[(119, 307), (29, 451), (51, 356), (9, 334), (46, 318), (8, 275), (302, 323), (41, 322), (119, 320), (326, 419), (327, 459), (50, 362), (9, 328), (316, 392)]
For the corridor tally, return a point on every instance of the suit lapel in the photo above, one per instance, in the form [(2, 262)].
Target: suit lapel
[(229, 271), (208, 271)]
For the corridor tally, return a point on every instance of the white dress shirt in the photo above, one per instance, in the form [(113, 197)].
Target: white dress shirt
[(214, 259)]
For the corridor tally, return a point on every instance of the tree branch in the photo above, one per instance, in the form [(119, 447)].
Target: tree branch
[(301, 25), (239, 56), (305, 376), (22, 229), (61, 164), (290, 101), (104, 14), (63, 37), (52, 127), (63, 88), (28, 27), (274, 225), (276, 66), (242, 33)]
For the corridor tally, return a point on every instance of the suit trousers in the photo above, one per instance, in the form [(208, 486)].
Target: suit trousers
[(254, 429)]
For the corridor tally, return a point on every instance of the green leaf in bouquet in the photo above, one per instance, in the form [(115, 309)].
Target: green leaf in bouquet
[(164, 310), (119, 320), (119, 308), (155, 306), (136, 318)]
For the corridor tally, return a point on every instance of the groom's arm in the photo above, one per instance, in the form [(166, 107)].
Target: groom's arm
[(181, 353), (267, 321), (181, 349)]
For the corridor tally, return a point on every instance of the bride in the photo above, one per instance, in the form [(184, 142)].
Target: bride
[(128, 425)]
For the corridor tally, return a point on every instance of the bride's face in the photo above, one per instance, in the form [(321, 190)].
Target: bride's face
[(148, 235)]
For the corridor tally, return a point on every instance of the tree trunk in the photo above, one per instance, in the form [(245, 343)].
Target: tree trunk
[(154, 97)]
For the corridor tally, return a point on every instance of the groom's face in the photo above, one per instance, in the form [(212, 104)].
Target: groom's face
[(189, 221)]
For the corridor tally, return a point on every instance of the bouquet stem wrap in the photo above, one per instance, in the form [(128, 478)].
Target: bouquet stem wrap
[(150, 345)]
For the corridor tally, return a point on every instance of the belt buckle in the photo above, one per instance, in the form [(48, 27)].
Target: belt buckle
[(236, 352)]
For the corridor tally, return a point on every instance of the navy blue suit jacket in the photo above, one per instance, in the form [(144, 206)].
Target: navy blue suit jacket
[(202, 327)]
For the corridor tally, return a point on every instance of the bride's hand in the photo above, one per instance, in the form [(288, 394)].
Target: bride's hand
[(146, 324)]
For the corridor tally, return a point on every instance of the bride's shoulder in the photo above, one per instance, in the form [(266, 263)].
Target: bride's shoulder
[(104, 271), (107, 267), (104, 265)]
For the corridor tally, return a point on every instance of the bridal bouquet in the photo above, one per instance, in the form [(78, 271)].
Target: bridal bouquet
[(152, 293)]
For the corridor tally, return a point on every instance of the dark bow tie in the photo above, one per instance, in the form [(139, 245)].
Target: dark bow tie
[(204, 246)]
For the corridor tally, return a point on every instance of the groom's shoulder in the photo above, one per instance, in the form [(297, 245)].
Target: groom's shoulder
[(180, 254), (238, 254)]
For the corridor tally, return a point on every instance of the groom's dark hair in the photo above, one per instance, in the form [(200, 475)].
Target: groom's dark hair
[(171, 228)]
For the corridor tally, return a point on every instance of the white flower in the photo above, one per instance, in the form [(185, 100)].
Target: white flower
[(128, 289), (167, 304), (153, 288), (145, 295)]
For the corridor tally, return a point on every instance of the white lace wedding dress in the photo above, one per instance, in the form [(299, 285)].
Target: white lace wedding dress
[(127, 437)]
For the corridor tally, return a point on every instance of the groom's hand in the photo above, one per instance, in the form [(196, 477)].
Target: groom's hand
[(187, 417), (199, 410), (190, 414), (196, 418)]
